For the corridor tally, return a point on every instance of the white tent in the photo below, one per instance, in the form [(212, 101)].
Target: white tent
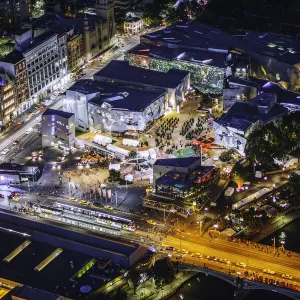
[(117, 150), (130, 142), (102, 140), (129, 177)]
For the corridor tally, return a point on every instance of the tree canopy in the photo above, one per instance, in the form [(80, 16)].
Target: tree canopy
[(163, 272), (274, 140)]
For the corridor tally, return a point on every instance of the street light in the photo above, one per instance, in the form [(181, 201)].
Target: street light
[(200, 226), (194, 205), (265, 179)]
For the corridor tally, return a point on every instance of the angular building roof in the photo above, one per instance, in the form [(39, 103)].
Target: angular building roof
[(122, 71), (184, 181), (242, 115), (197, 56), (118, 96), (60, 113), (184, 162)]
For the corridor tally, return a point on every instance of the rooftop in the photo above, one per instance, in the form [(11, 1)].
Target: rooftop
[(123, 71), (198, 56), (118, 96), (28, 292), (184, 162), (195, 35), (39, 40), (242, 115), (183, 181), (13, 57), (54, 112)]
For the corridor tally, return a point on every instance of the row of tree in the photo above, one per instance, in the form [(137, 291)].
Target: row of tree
[(165, 10), (274, 140)]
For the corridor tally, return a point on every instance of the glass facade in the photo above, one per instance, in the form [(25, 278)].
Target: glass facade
[(205, 78)]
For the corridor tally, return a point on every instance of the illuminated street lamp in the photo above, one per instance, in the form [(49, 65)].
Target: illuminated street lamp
[(200, 226), (194, 205), (265, 179)]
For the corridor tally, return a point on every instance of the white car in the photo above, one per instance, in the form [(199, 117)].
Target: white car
[(28, 131), (5, 151), (241, 264), (287, 276), (268, 271)]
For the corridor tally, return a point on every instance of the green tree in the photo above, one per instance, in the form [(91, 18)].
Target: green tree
[(226, 155), (238, 174), (163, 272), (134, 278), (294, 185)]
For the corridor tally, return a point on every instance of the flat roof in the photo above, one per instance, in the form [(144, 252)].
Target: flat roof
[(56, 274), (183, 181), (184, 162), (242, 115), (123, 71), (39, 40), (205, 57), (55, 112), (237, 80), (13, 57), (204, 37), (28, 292)]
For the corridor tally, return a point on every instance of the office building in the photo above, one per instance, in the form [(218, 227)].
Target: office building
[(111, 107), (58, 129), (75, 53), (182, 178), (7, 98), (175, 82), (233, 128), (14, 65), (43, 67), (133, 24)]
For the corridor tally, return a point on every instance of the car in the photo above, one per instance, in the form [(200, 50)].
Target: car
[(198, 255), (16, 199), (73, 199), (151, 222), (15, 143), (31, 115), (20, 123), (287, 276), (183, 251), (108, 207), (224, 261), (241, 264), (84, 202), (211, 258), (28, 131), (169, 248), (268, 271), (5, 151), (96, 204)]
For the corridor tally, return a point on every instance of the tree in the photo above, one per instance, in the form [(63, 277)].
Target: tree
[(134, 278), (226, 155), (163, 272), (132, 154), (294, 186), (238, 174)]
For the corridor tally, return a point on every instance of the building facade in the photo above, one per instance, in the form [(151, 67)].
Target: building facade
[(63, 57), (75, 53), (133, 25), (15, 66), (43, 67), (58, 129), (7, 98), (99, 33)]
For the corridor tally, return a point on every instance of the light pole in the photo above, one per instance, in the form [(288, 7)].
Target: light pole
[(274, 245), (200, 227), (265, 179)]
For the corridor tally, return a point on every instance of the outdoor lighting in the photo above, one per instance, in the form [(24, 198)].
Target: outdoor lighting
[(265, 178), (273, 185), (206, 208), (216, 225)]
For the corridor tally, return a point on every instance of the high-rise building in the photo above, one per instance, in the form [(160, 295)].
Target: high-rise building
[(13, 13)]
